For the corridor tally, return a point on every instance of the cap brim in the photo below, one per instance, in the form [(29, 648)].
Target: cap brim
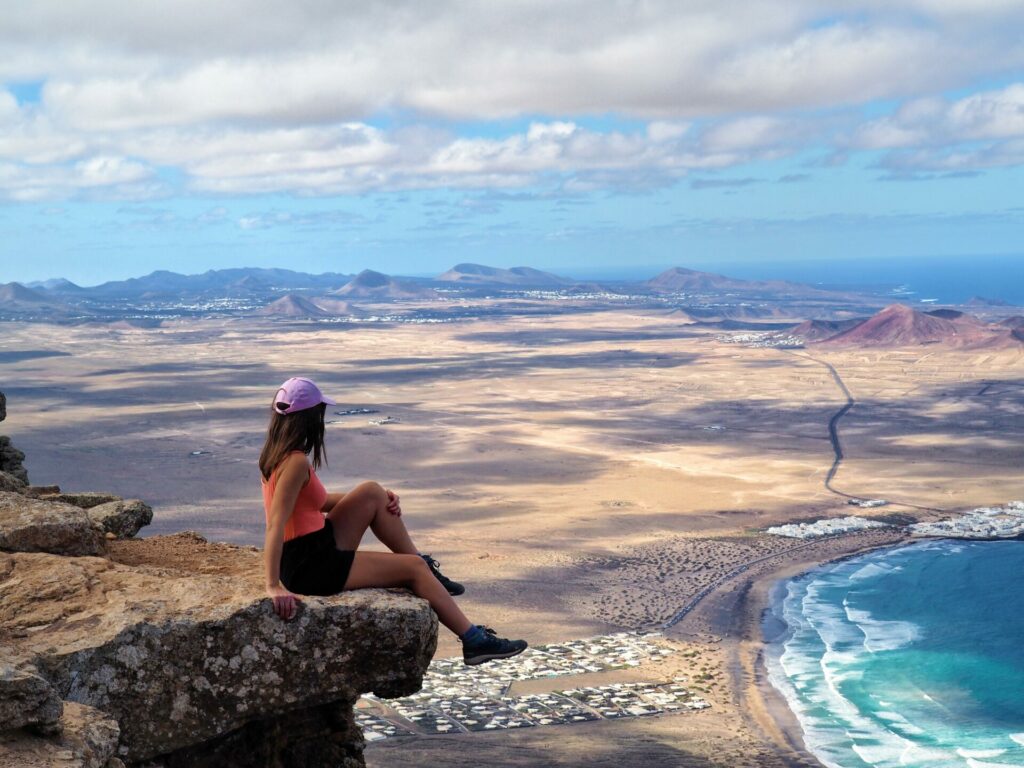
[(327, 400)]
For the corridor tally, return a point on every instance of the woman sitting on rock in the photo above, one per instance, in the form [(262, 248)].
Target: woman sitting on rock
[(313, 536)]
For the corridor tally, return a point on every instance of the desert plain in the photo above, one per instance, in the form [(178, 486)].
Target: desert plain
[(583, 473)]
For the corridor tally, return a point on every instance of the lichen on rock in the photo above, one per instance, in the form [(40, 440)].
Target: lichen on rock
[(205, 654)]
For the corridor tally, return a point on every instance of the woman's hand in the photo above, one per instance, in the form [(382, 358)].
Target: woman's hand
[(285, 603), (393, 506)]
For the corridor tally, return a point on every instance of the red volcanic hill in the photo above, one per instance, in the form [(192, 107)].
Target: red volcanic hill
[(375, 285), (901, 326), (1015, 322), (818, 330)]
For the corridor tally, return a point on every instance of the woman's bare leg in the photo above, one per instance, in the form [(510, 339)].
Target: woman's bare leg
[(365, 506), (385, 569)]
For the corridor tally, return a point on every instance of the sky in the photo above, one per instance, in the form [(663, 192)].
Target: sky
[(588, 138)]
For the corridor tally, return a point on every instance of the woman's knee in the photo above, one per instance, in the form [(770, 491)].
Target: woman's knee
[(371, 490), (414, 566)]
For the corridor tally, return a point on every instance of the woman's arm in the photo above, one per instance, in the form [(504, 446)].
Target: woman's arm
[(292, 475)]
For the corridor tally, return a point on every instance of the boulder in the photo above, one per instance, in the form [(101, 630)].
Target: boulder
[(187, 660), (85, 500), (9, 482), (26, 699), (36, 525), (123, 519), (11, 459), (88, 739)]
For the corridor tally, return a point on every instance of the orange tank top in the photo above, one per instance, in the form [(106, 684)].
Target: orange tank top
[(306, 517)]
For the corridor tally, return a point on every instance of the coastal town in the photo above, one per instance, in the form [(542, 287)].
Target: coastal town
[(1000, 522), (460, 699)]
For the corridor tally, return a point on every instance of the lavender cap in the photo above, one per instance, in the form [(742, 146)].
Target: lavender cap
[(298, 394)]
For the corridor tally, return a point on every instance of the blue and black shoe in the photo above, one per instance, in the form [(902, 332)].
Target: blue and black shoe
[(453, 587), (487, 646)]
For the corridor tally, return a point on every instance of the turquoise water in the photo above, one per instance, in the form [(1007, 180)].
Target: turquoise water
[(911, 656)]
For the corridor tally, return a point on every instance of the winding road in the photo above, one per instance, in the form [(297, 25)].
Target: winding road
[(833, 435)]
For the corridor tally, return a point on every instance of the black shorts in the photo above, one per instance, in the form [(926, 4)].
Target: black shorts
[(313, 565)]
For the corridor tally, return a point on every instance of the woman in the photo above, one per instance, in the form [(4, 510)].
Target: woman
[(313, 536)]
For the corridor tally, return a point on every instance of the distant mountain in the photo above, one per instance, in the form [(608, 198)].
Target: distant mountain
[(818, 330), (17, 293), (222, 281), (520, 277), (899, 325), (375, 285), (57, 285), (291, 305), (682, 280), (17, 300), (981, 301)]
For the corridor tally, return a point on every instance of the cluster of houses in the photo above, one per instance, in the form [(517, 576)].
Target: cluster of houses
[(460, 699), (1006, 522), (829, 527)]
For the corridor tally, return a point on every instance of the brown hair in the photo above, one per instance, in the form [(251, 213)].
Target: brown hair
[(299, 431)]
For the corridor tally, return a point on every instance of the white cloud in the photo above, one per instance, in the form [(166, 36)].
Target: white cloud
[(249, 97), (935, 134)]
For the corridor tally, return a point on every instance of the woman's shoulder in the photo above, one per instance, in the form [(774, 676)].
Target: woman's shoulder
[(291, 462)]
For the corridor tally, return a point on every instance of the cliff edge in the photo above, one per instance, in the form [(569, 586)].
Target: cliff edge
[(163, 652)]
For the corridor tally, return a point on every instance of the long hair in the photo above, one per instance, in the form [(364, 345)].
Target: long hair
[(299, 431)]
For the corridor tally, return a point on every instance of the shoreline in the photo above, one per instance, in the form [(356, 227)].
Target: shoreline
[(735, 611)]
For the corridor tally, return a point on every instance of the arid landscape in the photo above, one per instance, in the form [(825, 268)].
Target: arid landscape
[(585, 470)]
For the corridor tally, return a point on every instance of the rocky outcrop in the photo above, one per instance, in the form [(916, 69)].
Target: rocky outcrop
[(86, 738), (85, 500), (206, 654), (11, 483), (122, 518), (10, 457), (11, 460), (26, 699), (37, 525)]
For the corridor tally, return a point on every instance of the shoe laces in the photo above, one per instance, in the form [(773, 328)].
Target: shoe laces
[(431, 561)]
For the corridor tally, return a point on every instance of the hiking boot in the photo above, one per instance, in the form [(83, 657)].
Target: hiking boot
[(453, 587), (491, 647)]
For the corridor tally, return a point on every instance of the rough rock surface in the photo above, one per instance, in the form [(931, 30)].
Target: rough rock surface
[(11, 483), (326, 735), (85, 500), (124, 519), (179, 656), (11, 459), (88, 739), (26, 699), (36, 525)]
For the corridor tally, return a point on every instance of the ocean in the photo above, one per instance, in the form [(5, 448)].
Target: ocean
[(909, 656), (943, 279)]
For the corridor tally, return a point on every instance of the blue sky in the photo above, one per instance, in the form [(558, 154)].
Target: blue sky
[(581, 137)]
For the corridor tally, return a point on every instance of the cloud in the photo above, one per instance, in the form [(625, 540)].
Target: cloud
[(722, 183), (982, 130), (110, 178), (108, 67), (319, 98)]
